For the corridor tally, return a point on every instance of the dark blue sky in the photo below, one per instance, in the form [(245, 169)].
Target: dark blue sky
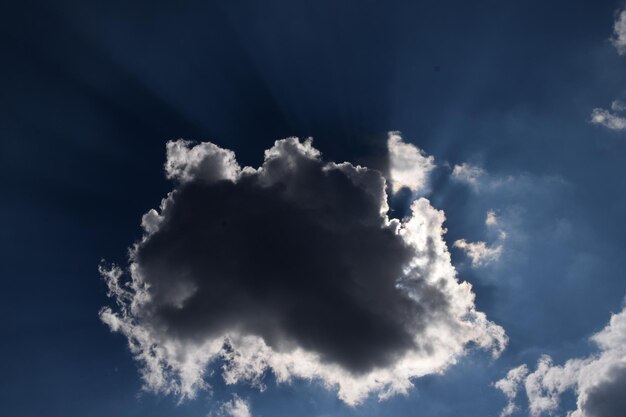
[(90, 93)]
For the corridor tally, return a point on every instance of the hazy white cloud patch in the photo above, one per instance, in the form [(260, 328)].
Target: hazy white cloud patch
[(492, 219), (619, 33), (503, 230), (479, 252), (409, 166), (478, 179), (598, 380), (378, 305), (469, 174), (237, 407), (614, 119)]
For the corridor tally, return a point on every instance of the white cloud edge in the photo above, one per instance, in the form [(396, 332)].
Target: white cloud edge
[(409, 166)]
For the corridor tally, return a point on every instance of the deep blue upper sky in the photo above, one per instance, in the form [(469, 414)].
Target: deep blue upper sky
[(90, 93)]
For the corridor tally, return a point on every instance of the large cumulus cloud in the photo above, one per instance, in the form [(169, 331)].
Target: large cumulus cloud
[(295, 268)]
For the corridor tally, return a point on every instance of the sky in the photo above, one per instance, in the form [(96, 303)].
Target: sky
[(330, 208)]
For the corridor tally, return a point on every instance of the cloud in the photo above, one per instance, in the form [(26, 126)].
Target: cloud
[(479, 252), (610, 119), (509, 385), (491, 220), (619, 33), (618, 105), (479, 180), (204, 162), (292, 268), (237, 407), (408, 165), (598, 380), (614, 119), (468, 174), (607, 119)]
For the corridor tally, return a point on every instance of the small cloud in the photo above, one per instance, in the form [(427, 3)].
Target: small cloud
[(480, 180), (618, 105), (468, 174), (619, 33), (409, 166), (492, 219), (611, 119), (509, 385), (493, 222), (479, 252), (614, 119), (237, 407)]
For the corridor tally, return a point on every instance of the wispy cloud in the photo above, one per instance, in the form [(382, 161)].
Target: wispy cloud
[(619, 33), (479, 252), (468, 174), (237, 407), (491, 220), (614, 119)]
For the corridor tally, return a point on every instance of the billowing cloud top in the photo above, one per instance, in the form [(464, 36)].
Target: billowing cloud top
[(293, 267), (598, 380)]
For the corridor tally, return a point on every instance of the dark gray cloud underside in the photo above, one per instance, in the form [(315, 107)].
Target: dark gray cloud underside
[(608, 399), (306, 262)]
